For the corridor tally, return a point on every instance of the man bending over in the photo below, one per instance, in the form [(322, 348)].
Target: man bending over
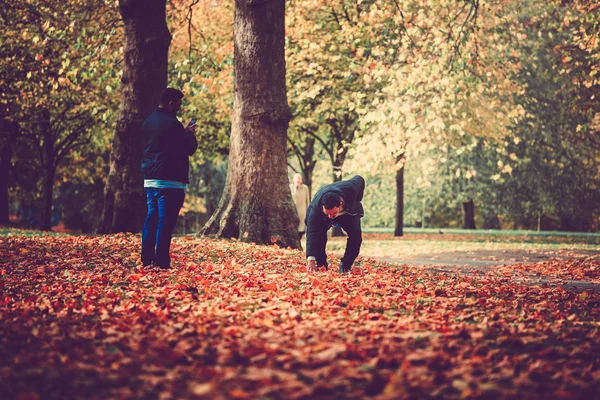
[(337, 204)]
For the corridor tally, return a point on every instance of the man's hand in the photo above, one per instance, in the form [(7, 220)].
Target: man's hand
[(191, 128), (311, 265)]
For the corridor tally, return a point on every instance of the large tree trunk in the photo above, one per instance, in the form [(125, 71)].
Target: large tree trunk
[(398, 231), (257, 205), (147, 41), (468, 214)]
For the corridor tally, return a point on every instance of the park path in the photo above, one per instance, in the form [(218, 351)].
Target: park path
[(484, 261)]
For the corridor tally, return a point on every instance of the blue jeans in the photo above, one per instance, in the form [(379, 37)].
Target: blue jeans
[(163, 209)]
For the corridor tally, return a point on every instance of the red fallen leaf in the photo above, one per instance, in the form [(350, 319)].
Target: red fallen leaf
[(314, 282), (239, 394), (357, 301), (563, 394), (231, 331), (270, 286), (204, 282), (28, 396)]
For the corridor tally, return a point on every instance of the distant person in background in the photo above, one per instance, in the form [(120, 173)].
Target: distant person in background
[(301, 196), (335, 204), (167, 148)]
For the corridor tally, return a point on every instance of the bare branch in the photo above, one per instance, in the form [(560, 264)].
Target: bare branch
[(471, 16)]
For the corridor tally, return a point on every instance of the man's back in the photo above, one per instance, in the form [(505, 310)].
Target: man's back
[(351, 191), (167, 147)]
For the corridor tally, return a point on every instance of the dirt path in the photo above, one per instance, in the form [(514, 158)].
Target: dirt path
[(484, 261)]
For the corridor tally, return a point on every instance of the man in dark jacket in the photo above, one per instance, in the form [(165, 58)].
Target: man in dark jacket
[(167, 147), (335, 204)]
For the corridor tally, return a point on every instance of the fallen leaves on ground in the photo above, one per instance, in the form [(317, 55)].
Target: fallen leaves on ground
[(586, 269), (80, 318)]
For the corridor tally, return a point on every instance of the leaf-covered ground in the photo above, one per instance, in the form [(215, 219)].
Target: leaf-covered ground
[(79, 318)]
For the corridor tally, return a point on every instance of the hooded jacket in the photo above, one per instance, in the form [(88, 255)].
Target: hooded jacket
[(167, 147)]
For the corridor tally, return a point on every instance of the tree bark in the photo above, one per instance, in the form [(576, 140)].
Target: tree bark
[(398, 231), (468, 214), (336, 231), (6, 153), (257, 205), (491, 220), (8, 138), (309, 163), (49, 169), (146, 48), (305, 155), (46, 222)]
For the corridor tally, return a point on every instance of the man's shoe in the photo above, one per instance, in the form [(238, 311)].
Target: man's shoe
[(343, 269), (155, 267)]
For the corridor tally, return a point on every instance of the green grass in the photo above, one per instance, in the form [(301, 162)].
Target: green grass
[(27, 232), (411, 248), (380, 243), (490, 232)]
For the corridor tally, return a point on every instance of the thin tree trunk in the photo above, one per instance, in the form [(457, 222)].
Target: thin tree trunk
[(147, 41), (6, 153), (398, 231), (336, 174), (309, 163), (8, 137), (256, 205), (46, 223), (491, 220), (423, 204), (468, 214), (336, 231), (48, 166)]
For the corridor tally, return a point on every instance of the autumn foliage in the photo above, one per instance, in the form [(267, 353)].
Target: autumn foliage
[(80, 318)]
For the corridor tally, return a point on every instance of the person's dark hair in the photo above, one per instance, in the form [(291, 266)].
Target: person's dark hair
[(169, 94), (330, 200)]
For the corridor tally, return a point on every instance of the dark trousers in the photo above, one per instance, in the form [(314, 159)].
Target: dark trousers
[(163, 209), (351, 225)]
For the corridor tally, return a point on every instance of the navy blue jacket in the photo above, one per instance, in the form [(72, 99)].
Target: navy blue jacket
[(167, 147), (317, 223)]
